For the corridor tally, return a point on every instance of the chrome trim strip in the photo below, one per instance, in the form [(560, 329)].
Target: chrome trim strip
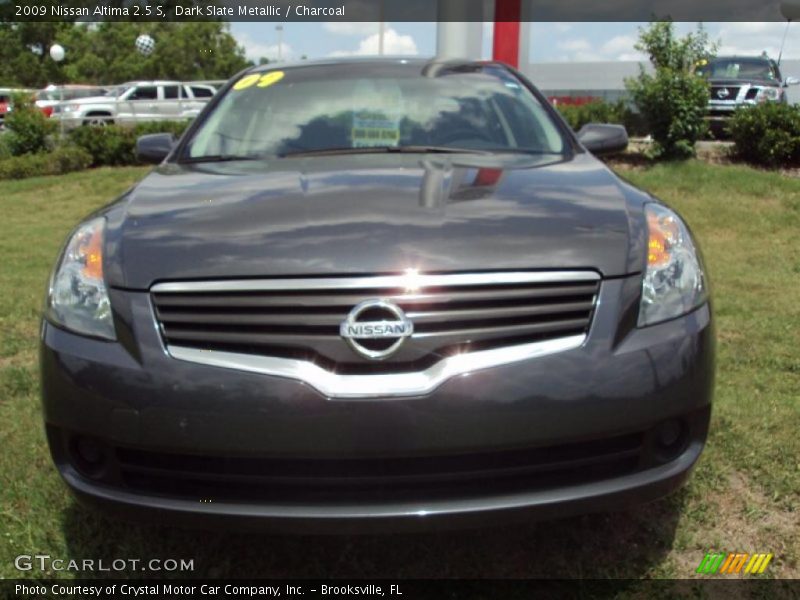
[(409, 280), (334, 385)]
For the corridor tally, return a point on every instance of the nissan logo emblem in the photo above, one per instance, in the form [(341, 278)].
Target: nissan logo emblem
[(376, 329)]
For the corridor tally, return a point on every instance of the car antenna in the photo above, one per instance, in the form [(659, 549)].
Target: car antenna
[(783, 43), (790, 9)]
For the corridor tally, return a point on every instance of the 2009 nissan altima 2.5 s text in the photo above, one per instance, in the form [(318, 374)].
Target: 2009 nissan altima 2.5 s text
[(377, 294)]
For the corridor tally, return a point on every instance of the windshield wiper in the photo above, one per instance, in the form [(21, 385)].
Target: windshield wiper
[(524, 151), (217, 158), (386, 150)]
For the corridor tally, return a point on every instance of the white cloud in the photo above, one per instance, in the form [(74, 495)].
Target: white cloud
[(755, 28), (254, 50), (755, 38), (619, 47), (393, 44), (352, 28), (633, 56), (619, 44), (575, 45), (743, 39)]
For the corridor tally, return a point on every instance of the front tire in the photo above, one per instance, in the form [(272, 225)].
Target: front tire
[(98, 120)]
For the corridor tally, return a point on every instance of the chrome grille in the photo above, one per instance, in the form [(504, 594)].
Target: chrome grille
[(733, 93), (300, 318)]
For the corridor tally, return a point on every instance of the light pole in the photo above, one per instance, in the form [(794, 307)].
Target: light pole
[(381, 27), (57, 53), (279, 29)]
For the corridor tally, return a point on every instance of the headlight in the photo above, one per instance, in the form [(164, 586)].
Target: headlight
[(769, 94), (674, 282), (77, 298)]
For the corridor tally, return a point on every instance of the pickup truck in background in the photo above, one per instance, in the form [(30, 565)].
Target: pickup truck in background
[(137, 101), (739, 81)]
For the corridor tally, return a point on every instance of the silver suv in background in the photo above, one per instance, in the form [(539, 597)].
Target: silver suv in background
[(137, 101), (738, 81), (49, 97)]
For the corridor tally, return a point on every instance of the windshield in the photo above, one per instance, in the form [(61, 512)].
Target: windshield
[(739, 68), (357, 108), (116, 92)]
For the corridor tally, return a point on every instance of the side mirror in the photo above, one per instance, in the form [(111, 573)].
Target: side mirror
[(155, 147), (602, 139), (791, 81)]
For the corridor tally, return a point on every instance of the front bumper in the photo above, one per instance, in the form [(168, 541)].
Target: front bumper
[(719, 113), (572, 432), (68, 121)]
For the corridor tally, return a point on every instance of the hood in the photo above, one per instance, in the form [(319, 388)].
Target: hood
[(92, 100), (369, 214), (720, 81)]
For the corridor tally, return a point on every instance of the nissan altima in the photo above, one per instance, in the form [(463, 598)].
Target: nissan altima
[(378, 293)]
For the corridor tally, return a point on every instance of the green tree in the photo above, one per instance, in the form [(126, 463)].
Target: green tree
[(673, 99), (24, 53), (197, 50), (105, 53)]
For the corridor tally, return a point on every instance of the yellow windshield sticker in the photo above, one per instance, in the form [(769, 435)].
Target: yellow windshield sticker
[(270, 78), (246, 82), (262, 80)]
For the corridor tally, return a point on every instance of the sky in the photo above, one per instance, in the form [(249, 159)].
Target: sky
[(550, 42)]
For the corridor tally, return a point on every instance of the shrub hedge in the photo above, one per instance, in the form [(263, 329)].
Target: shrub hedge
[(674, 102), (599, 111), (5, 151), (115, 145), (63, 159), (767, 134), (674, 98), (28, 128)]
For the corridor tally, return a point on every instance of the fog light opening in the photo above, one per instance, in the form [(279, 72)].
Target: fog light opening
[(670, 438), (89, 455)]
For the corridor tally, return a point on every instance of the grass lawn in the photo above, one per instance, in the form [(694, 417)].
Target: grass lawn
[(743, 496)]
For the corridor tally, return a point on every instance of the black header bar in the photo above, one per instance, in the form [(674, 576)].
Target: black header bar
[(386, 10)]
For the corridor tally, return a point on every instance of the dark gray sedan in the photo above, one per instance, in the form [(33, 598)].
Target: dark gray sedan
[(378, 293)]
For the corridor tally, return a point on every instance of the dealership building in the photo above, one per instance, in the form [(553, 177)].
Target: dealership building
[(460, 34)]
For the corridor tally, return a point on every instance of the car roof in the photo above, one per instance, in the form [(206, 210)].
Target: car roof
[(738, 57), (156, 82), (72, 86), (387, 60)]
